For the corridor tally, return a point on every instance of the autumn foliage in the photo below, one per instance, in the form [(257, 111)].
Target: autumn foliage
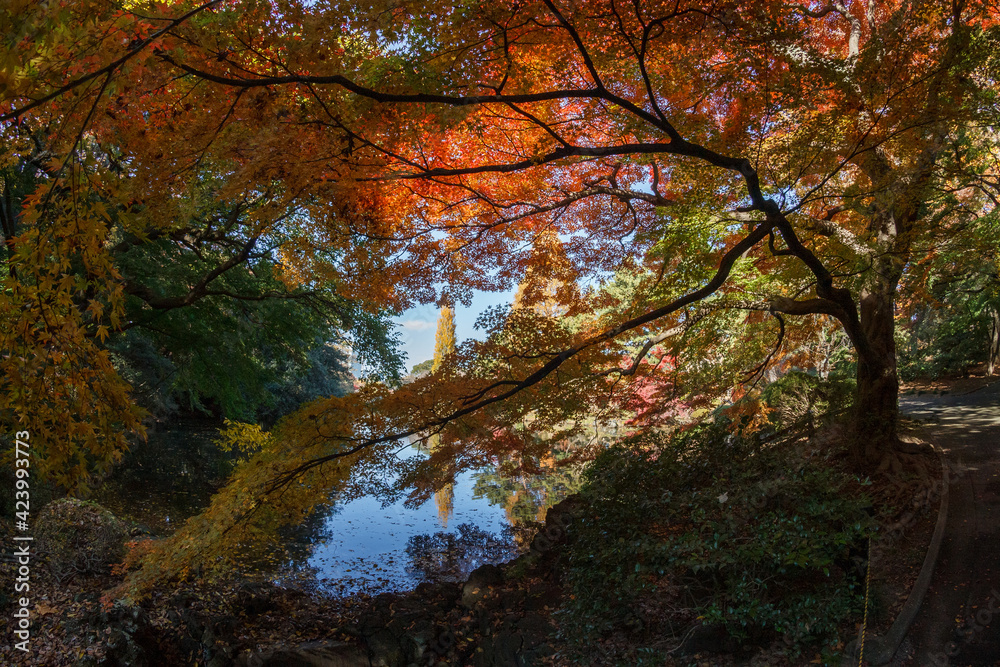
[(725, 183), (444, 339)]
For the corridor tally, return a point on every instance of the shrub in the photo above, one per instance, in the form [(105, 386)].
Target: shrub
[(797, 395), (79, 537), (749, 540)]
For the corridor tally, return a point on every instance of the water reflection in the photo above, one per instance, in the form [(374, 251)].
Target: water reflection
[(453, 556), (365, 548), (482, 517), (168, 478), (526, 498), (373, 548)]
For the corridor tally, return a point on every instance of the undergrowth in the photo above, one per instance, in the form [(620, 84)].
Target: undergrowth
[(754, 537)]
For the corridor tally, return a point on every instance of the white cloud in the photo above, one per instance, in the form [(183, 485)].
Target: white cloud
[(418, 325)]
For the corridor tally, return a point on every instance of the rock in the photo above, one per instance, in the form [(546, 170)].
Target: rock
[(387, 648), (128, 637), (225, 629), (557, 521), (503, 650), (79, 537), (536, 654), (220, 660), (513, 599), (200, 636), (534, 624), (255, 599), (560, 513), (479, 583)]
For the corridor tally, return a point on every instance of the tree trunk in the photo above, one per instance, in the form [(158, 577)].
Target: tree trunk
[(876, 402)]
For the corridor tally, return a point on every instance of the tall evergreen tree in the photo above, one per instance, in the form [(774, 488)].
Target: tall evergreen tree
[(444, 341)]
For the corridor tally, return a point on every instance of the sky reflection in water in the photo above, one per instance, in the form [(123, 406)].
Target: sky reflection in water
[(365, 544)]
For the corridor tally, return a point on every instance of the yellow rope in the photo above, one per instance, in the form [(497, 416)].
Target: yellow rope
[(864, 622)]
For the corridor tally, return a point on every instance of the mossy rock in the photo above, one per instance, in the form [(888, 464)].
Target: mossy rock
[(79, 537)]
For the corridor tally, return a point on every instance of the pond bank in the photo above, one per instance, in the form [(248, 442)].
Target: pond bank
[(665, 534), (491, 619), (501, 616)]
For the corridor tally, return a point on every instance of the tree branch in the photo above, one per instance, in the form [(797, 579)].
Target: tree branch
[(107, 69), (508, 388), (199, 290)]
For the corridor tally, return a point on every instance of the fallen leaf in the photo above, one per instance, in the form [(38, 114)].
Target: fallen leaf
[(42, 609)]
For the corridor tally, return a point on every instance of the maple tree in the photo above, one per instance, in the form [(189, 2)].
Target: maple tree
[(101, 294), (785, 162)]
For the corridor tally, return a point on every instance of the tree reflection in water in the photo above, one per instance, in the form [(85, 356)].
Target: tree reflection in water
[(453, 556)]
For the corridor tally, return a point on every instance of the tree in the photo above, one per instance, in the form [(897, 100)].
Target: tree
[(550, 281), (187, 304), (798, 159), (208, 320), (950, 310), (827, 128), (444, 345), (950, 319), (444, 338), (423, 367)]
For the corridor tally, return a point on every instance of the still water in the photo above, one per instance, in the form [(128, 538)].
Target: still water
[(354, 546), (365, 544)]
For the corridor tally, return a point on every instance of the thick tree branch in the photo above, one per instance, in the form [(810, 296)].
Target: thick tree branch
[(199, 290), (507, 388), (848, 311), (817, 306)]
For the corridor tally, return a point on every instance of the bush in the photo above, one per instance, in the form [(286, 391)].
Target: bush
[(79, 537), (797, 395), (711, 527)]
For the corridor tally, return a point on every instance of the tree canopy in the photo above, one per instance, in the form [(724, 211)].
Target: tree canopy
[(723, 180)]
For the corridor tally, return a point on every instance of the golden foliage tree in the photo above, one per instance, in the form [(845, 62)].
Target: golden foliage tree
[(549, 283), (444, 338)]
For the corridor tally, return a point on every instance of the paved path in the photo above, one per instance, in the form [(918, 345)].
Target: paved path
[(959, 621)]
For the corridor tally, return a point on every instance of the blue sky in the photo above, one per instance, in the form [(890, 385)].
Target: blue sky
[(418, 326)]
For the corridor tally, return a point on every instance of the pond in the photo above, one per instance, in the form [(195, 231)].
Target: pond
[(353, 546), (172, 476)]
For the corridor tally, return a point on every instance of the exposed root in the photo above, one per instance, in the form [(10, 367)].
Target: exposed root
[(906, 471)]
